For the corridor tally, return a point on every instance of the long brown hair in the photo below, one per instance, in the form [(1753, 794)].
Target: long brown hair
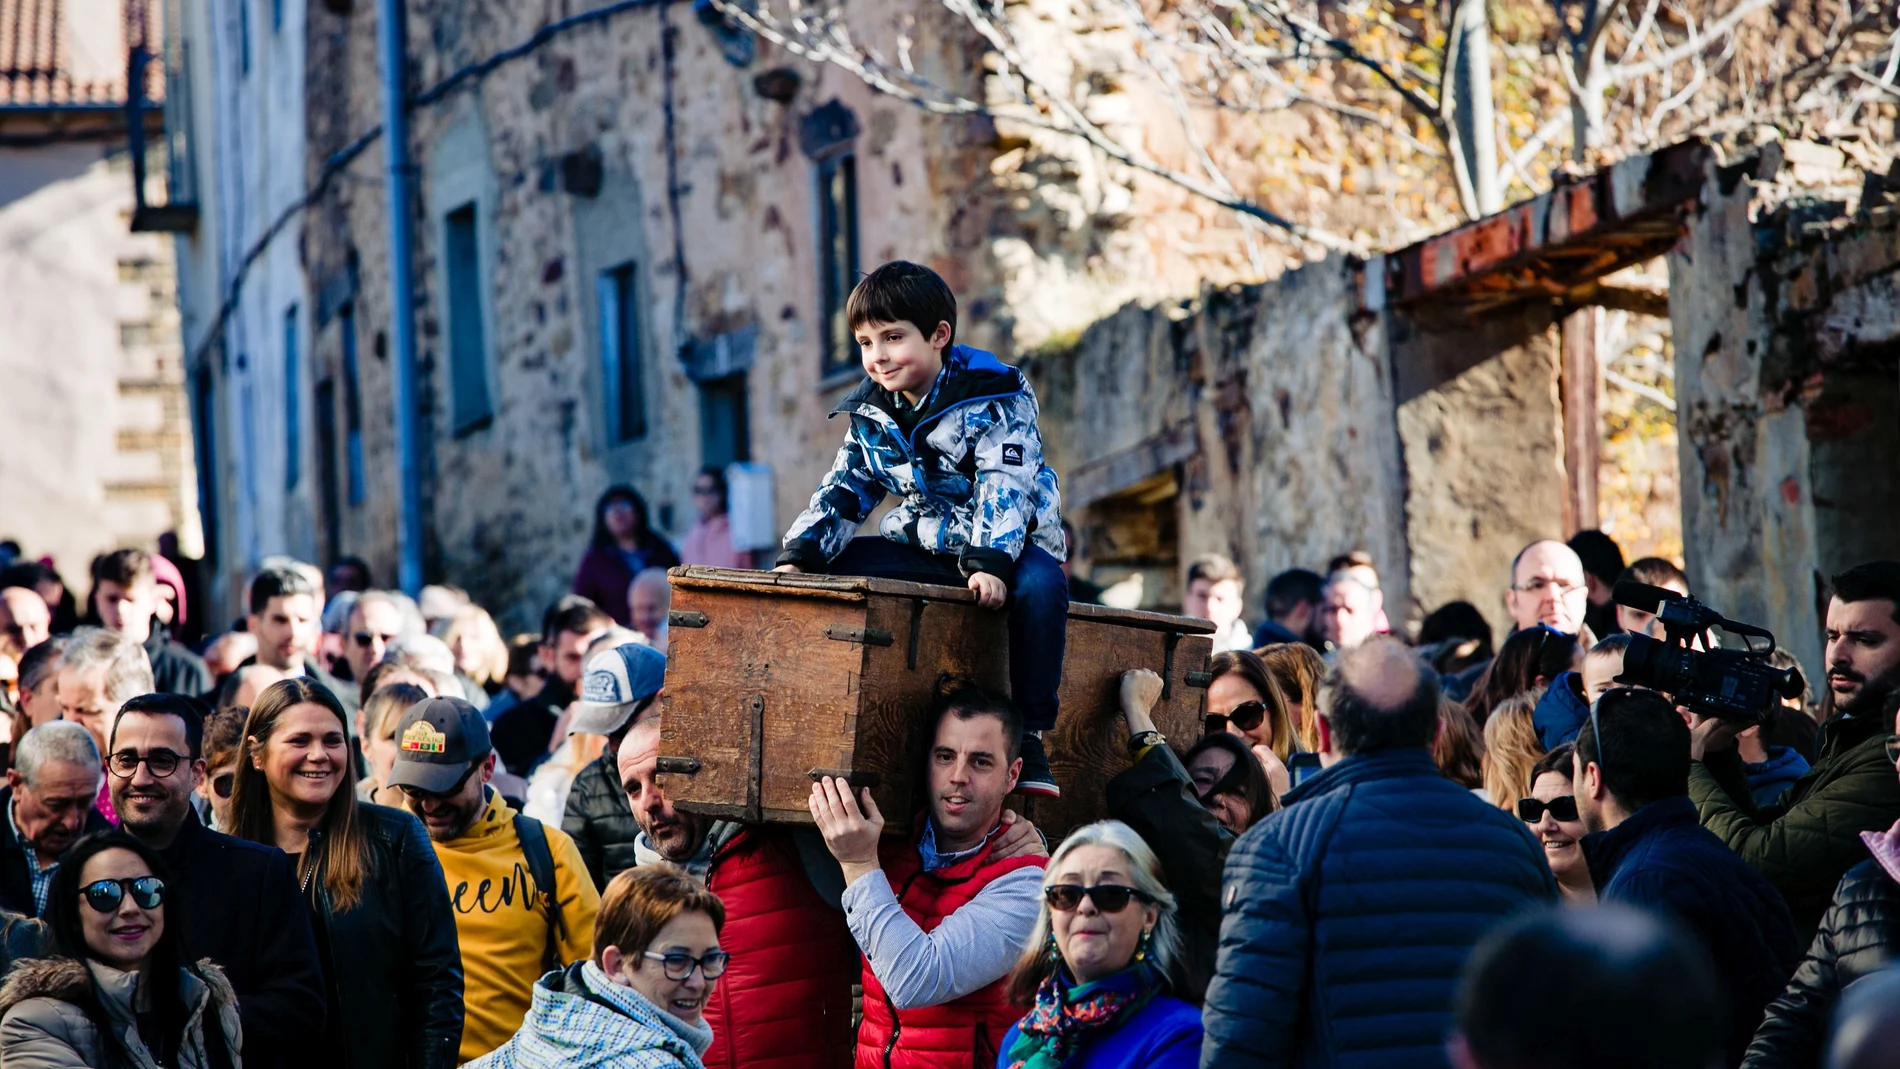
[(1459, 748), (340, 856), (1252, 669), (1297, 669)]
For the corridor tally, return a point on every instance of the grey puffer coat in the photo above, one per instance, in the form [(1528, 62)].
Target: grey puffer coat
[(44, 1023)]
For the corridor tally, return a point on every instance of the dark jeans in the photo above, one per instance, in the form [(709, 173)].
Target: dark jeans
[(1038, 612)]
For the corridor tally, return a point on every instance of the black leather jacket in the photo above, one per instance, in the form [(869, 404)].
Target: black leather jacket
[(395, 976), (1859, 934), (600, 822)]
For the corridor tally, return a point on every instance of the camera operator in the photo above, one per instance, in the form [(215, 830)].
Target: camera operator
[(1807, 840)]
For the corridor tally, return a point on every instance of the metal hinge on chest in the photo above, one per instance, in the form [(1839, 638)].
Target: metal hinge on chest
[(863, 636)]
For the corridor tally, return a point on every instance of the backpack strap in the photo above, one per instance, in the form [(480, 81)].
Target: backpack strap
[(540, 859)]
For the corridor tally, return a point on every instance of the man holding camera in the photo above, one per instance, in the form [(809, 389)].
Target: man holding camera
[(1811, 836)]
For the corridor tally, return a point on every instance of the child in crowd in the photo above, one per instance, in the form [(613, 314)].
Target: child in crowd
[(953, 431)]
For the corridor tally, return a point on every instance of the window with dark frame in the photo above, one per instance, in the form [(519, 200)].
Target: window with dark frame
[(838, 253), (470, 405), (204, 426), (623, 385), (293, 387), (327, 445)]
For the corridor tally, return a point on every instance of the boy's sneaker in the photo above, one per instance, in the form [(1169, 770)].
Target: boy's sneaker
[(1036, 778)]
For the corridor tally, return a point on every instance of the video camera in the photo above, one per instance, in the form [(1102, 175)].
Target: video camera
[(1735, 684)]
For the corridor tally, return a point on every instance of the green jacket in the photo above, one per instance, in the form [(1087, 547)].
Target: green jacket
[(1810, 837)]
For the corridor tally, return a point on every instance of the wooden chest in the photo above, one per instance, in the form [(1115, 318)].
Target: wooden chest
[(775, 679)]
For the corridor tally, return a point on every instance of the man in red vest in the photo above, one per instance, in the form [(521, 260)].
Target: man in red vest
[(785, 999), (940, 916)]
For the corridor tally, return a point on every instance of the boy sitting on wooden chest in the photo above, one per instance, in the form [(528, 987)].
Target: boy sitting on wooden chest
[(953, 431)]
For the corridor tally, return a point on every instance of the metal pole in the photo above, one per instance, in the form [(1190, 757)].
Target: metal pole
[(392, 40)]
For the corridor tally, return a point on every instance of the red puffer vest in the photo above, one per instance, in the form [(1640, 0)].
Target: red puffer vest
[(963, 1034), (785, 999)]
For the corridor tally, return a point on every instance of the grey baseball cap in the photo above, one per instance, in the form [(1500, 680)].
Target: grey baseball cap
[(614, 684), (436, 742)]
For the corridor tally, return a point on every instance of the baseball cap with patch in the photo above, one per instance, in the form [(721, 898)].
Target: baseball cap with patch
[(613, 686), (436, 741)]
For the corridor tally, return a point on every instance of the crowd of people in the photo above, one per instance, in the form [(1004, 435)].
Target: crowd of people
[(358, 828)]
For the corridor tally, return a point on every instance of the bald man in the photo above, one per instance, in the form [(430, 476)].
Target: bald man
[(1548, 587), (1350, 912)]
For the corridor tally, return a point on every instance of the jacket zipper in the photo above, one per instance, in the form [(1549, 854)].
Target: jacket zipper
[(910, 441)]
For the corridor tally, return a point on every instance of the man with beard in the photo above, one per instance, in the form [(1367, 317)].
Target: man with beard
[(48, 802), (524, 903), (240, 901), (1808, 839), (785, 999)]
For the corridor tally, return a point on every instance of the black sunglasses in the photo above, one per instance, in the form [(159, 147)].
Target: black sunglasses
[(364, 638), (148, 892), (1247, 715), (1108, 897), (1563, 808), (419, 794), (222, 783)]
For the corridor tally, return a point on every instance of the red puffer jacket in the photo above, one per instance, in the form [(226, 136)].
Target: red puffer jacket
[(785, 1000), (956, 1035)]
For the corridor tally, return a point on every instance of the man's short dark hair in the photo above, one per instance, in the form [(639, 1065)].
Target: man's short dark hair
[(1645, 753), (27, 573), (126, 567), (1600, 554), (1655, 571), (1213, 568), (1456, 619), (363, 572), (1617, 644), (278, 583), (902, 291), (1877, 580), (1291, 589), (192, 711), (1586, 988), (965, 700), (575, 614), (1360, 726), (1357, 558)]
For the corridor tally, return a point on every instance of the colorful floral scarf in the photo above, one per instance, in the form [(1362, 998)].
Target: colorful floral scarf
[(1064, 1016)]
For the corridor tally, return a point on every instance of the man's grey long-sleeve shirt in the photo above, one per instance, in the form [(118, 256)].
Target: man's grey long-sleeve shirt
[(973, 947)]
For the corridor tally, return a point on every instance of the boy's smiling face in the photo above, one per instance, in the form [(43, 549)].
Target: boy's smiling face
[(901, 358)]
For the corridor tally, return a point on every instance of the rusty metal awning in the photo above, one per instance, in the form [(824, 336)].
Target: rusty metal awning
[(1554, 246)]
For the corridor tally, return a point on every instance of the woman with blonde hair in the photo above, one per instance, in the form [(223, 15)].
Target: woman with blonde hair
[(378, 902), (1511, 750), (380, 715), (1103, 977), (1296, 669), (480, 653)]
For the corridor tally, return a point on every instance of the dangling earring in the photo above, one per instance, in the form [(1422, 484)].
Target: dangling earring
[(1055, 952), (1147, 940)]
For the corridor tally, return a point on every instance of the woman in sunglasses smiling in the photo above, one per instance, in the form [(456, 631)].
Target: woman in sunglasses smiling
[(379, 905), (1242, 693), (1101, 969), (1551, 813), (640, 1001), (115, 993)]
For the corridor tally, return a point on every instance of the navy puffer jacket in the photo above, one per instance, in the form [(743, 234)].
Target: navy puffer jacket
[(1662, 860), (1349, 914)]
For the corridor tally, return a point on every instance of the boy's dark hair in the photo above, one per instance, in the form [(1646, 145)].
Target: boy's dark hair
[(1877, 580), (1645, 753), (192, 711), (126, 567), (573, 613), (1214, 568), (278, 583), (1291, 589), (1600, 554), (903, 291), (1618, 644), (1655, 571), (965, 700)]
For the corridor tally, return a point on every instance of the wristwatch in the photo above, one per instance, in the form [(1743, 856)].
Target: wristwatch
[(1142, 740)]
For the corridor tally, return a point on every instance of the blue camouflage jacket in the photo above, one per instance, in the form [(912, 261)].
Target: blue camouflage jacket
[(970, 472)]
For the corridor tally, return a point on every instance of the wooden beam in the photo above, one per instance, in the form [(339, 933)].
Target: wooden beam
[(1582, 422)]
